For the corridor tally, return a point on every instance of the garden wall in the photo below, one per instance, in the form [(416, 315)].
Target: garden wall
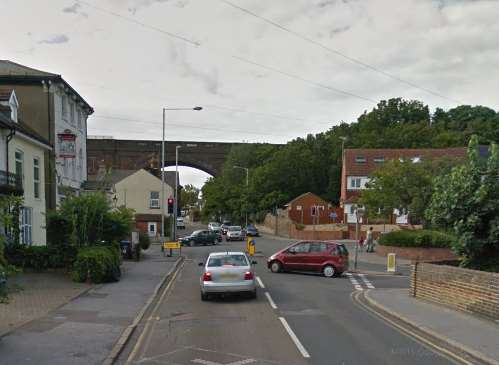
[(418, 253), (471, 291)]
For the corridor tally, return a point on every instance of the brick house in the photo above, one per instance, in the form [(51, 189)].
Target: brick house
[(309, 208), (358, 164)]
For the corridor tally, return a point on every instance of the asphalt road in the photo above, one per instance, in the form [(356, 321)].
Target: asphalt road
[(319, 313)]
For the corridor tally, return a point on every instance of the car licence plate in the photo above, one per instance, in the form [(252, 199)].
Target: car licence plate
[(229, 276)]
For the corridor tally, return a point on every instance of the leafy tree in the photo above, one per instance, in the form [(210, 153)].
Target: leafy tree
[(467, 200), (402, 185), (314, 163), (189, 196)]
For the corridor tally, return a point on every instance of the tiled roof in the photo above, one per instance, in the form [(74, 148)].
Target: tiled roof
[(148, 217), (303, 195), (11, 72), (353, 168), (14, 69)]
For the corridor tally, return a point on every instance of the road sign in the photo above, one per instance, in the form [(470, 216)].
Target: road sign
[(391, 263), (171, 245)]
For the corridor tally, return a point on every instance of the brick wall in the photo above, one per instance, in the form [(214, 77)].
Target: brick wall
[(418, 253), (336, 233), (471, 291)]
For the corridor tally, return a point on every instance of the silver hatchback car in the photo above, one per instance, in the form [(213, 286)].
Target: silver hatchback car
[(227, 272)]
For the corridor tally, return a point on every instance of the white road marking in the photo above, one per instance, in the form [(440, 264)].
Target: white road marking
[(272, 304), (260, 282), (295, 339), (366, 281), (208, 362)]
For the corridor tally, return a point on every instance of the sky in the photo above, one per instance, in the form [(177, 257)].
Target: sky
[(263, 71)]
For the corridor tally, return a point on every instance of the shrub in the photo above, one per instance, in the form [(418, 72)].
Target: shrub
[(144, 240), (419, 238), (100, 264), (40, 258)]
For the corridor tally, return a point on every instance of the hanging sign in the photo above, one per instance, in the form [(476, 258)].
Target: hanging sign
[(67, 144)]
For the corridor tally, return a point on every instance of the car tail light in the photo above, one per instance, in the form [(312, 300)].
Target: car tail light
[(248, 275), (207, 276)]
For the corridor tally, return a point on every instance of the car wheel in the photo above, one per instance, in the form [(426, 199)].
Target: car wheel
[(328, 271), (191, 243), (276, 267), (204, 297)]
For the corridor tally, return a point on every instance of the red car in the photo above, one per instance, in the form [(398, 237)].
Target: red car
[(329, 258)]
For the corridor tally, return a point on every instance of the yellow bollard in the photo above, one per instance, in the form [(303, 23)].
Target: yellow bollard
[(391, 263)]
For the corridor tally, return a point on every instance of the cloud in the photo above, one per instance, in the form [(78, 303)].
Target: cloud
[(75, 9), (55, 39)]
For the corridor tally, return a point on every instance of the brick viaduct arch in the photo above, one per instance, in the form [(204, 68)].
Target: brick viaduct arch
[(136, 154)]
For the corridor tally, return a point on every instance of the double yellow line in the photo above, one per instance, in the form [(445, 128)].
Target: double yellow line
[(152, 317)]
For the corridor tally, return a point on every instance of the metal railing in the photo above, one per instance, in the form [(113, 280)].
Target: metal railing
[(10, 181)]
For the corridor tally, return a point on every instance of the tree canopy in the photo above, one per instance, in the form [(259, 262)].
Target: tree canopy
[(280, 173)]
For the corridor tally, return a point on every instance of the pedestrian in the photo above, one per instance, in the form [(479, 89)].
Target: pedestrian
[(370, 240)]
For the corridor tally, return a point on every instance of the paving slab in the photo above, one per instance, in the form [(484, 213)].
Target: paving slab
[(85, 330), (475, 335)]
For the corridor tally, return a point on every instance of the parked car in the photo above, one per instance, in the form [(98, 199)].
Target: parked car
[(218, 232), (180, 223), (329, 258), (213, 225), (227, 272), (201, 237), (225, 226), (252, 231), (234, 233)]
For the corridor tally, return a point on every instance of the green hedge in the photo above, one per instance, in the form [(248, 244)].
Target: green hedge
[(100, 263), (418, 238), (40, 258)]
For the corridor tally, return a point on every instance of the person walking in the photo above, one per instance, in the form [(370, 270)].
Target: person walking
[(370, 240)]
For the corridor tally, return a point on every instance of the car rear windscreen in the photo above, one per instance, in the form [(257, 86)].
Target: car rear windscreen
[(228, 260)]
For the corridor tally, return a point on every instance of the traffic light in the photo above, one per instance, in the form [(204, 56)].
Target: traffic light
[(170, 205)]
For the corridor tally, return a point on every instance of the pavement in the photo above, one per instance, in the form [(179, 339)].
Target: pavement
[(84, 330), (476, 336), (33, 295), (297, 319)]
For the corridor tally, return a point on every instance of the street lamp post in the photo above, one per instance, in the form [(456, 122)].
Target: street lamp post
[(163, 200), (175, 201), (247, 187), (359, 212)]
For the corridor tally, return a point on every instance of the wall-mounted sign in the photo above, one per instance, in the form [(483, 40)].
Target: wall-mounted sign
[(67, 144)]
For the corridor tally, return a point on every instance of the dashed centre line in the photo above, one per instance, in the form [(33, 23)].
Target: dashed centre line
[(260, 282), (271, 302)]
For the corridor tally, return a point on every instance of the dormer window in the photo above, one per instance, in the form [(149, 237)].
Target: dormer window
[(8, 99), (360, 159)]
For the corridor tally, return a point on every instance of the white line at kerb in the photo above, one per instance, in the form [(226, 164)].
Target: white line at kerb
[(295, 339), (272, 304), (260, 282)]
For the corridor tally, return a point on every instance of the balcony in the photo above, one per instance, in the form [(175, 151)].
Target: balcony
[(10, 183)]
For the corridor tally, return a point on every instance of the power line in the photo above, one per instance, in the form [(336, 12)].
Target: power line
[(337, 52), (197, 44), (311, 82), (173, 35)]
